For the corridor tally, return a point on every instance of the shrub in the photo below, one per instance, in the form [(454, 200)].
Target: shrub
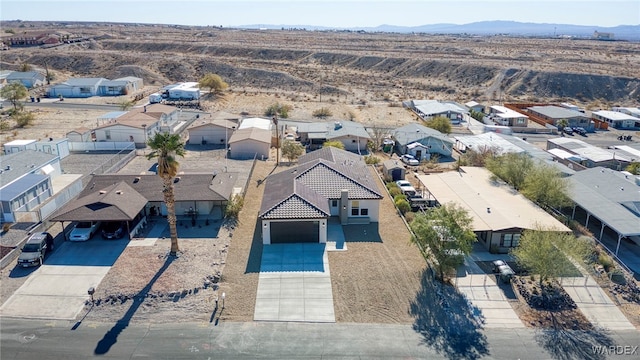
[(233, 207), (399, 197), (403, 205), (394, 191), (605, 261), (409, 216), (371, 160), (6, 227), (23, 119), (322, 113)]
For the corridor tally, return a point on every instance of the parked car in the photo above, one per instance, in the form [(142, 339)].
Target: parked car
[(567, 130), (84, 230), (406, 188), (113, 229), (580, 130), (35, 249), (409, 160)]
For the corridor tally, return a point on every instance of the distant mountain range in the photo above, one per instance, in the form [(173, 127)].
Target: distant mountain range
[(512, 28)]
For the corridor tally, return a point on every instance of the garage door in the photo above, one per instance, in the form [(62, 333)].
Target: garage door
[(295, 232)]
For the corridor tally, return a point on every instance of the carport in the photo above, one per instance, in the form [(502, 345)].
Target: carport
[(117, 202)]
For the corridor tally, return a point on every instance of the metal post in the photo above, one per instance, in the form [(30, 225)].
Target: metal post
[(223, 297)]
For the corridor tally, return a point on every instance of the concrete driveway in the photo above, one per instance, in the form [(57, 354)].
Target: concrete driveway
[(58, 289), (294, 284)]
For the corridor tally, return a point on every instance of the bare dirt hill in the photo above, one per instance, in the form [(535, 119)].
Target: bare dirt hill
[(352, 66)]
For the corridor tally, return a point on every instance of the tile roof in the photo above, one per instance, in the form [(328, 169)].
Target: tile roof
[(305, 190), (117, 202)]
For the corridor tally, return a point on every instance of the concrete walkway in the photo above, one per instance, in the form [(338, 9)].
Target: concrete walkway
[(595, 304), (294, 284), (336, 240)]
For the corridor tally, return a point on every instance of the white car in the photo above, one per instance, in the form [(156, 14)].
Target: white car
[(84, 230), (406, 188), (410, 160)]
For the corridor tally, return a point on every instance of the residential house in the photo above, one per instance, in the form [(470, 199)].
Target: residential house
[(553, 114), (633, 111), (30, 79), (139, 124), (428, 109), (250, 143), (113, 197), (589, 155), (507, 117), (25, 181), (617, 119), (431, 141), (88, 87), (299, 202), (499, 214), (32, 38), (351, 134)]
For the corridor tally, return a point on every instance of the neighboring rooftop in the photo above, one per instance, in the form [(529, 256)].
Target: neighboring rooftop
[(22, 163), (587, 151), (413, 132), (556, 112)]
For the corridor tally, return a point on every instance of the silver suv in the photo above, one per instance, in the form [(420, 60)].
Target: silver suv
[(34, 249)]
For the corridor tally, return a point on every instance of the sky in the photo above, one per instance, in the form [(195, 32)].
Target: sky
[(341, 14)]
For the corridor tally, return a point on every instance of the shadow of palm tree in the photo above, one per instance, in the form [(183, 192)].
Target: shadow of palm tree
[(111, 337), (574, 344), (447, 321)]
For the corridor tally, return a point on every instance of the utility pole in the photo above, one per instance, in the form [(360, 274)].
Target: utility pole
[(275, 121)]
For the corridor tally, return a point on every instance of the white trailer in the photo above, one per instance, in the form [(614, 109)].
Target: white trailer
[(155, 98)]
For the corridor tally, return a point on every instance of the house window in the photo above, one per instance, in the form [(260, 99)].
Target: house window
[(85, 90), (520, 121), (355, 208), (107, 134), (364, 212), (509, 240), (334, 203)]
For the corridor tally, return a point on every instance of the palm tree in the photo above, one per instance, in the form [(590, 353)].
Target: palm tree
[(562, 123), (165, 147)]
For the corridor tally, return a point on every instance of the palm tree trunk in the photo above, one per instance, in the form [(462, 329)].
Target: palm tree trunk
[(169, 201)]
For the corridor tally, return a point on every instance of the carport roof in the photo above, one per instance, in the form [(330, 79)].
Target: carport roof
[(118, 202), (609, 196)]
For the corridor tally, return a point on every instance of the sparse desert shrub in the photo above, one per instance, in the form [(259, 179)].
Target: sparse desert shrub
[(233, 207), (6, 227), (371, 159), (322, 113), (403, 205)]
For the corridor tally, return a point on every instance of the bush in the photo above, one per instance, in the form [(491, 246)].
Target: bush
[(6, 227), (399, 197), (394, 191), (409, 217), (322, 113), (605, 261), (23, 119), (233, 207), (281, 110), (371, 160), (402, 204)]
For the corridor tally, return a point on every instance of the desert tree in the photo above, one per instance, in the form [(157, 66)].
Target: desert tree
[(165, 147), (633, 168), (279, 110), (446, 234), (543, 184), (378, 134), (125, 105), (440, 123), (213, 82), (333, 143), (545, 251), (24, 67), (14, 92), (23, 118), (511, 168), (478, 157), (292, 150)]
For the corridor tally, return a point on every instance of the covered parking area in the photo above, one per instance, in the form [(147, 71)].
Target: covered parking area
[(117, 202), (612, 198)]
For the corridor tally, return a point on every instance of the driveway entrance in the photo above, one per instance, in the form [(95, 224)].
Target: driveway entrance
[(294, 284)]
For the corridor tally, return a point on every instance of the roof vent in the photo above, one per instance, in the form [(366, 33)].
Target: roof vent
[(8, 167), (175, 180), (489, 210), (621, 189), (136, 180), (119, 192), (102, 192), (337, 125)]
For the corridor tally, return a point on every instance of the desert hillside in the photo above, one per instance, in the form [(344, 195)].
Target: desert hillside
[(348, 67)]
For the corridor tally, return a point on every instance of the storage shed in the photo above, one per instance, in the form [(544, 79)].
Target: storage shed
[(393, 170)]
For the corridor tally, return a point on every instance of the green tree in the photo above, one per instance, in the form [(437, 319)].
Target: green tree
[(476, 115), (333, 143), (478, 157), (25, 67), (561, 124), (292, 150), (440, 123), (544, 185), (232, 210), (23, 119), (165, 147), (277, 109), (322, 113), (511, 167), (213, 82), (448, 234), (14, 92), (544, 252), (633, 168)]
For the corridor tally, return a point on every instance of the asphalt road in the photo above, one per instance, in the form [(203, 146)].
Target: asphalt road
[(22, 339), (47, 103)]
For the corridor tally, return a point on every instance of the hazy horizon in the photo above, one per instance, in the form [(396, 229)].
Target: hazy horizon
[(336, 14)]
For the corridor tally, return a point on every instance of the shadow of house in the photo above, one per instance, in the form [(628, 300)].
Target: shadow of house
[(447, 322)]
